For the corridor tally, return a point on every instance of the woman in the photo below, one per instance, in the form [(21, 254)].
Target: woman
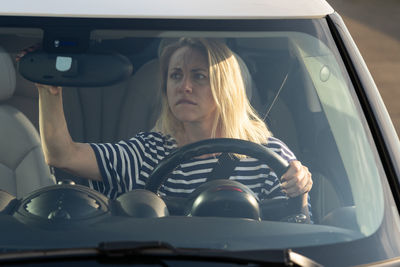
[(203, 97)]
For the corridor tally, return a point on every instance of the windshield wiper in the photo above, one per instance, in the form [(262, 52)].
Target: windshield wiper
[(157, 252)]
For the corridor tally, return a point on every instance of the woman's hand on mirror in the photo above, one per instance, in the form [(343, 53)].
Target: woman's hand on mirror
[(51, 89), (27, 50)]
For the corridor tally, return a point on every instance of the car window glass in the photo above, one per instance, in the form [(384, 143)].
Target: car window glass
[(295, 81)]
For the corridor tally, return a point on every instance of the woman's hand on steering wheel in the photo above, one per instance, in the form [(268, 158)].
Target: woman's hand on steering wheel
[(297, 180)]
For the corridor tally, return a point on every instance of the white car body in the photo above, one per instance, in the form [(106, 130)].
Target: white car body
[(302, 74), (177, 9)]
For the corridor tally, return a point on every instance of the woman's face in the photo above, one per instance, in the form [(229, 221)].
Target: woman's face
[(188, 87)]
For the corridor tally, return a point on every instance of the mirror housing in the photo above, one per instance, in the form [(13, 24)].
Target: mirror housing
[(89, 69)]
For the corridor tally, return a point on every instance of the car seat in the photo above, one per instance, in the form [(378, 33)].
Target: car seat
[(119, 111), (112, 113), (22, 165)]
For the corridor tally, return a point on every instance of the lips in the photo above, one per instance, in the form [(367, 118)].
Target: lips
[(185, 101)]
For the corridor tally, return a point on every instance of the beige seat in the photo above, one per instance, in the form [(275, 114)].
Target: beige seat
[(22, 165), (112, 113), (142, 104), (116, 112)]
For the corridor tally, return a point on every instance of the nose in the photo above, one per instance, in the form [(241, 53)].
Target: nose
[(187, 85)]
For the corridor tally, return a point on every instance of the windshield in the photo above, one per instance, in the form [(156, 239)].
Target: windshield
[(294, 80)]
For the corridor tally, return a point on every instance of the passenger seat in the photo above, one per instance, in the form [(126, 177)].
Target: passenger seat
[(22, 165)]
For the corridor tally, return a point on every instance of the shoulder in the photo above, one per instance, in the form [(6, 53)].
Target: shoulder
[(279, 147)]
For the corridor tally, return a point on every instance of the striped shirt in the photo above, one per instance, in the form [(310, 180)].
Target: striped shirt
[(126, 165)]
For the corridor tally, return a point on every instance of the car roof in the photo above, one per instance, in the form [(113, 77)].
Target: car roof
[(180, 9)]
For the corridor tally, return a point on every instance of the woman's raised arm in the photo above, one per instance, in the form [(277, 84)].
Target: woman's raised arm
[(59, 149)]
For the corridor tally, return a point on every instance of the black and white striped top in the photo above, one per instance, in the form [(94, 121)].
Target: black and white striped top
[(126, 165)]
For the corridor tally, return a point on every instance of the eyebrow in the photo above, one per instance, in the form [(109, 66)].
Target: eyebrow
[(199, 69), (193, 70)]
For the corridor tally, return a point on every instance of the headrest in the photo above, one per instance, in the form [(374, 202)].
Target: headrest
[(7, 75), (246, 76)]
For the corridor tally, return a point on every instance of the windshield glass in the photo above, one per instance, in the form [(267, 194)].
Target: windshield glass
[(118, 88)]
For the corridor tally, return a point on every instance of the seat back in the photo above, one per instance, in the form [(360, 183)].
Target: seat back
[(116, 112), (142, 103), (22, 165)]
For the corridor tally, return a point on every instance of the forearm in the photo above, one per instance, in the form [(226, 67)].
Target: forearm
[(54, 134), (304, 207), (58, 147)]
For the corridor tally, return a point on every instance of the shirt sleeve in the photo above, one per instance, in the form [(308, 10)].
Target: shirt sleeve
[(272, 182), (120, 166), (281, 149)]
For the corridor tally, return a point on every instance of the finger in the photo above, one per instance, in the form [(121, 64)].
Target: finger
[(290, 182), (297, 178), (296, 191), (54, 90), (19, 56), (42, 86), (294, 168), (32, 48), (300, 188), (296, 188), (26, 51)]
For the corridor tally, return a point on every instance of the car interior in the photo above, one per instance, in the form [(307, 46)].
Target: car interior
[(273, 73)]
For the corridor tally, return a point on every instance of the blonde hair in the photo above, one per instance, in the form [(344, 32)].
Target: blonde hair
[(235, 118)]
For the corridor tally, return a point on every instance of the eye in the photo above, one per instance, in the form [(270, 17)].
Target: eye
[(200, 76), (175, 76)]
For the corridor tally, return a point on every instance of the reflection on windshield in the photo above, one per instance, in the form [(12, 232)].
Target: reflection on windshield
[(154, 99)]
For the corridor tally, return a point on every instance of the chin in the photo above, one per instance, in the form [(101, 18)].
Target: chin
[(187, 119), (186, 116)]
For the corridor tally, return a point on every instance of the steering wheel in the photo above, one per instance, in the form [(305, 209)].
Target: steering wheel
[(228, 145)]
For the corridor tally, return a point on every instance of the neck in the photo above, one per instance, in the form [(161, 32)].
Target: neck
[(193, 132)]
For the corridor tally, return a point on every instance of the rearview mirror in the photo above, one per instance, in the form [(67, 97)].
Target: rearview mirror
[(81, 69)]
